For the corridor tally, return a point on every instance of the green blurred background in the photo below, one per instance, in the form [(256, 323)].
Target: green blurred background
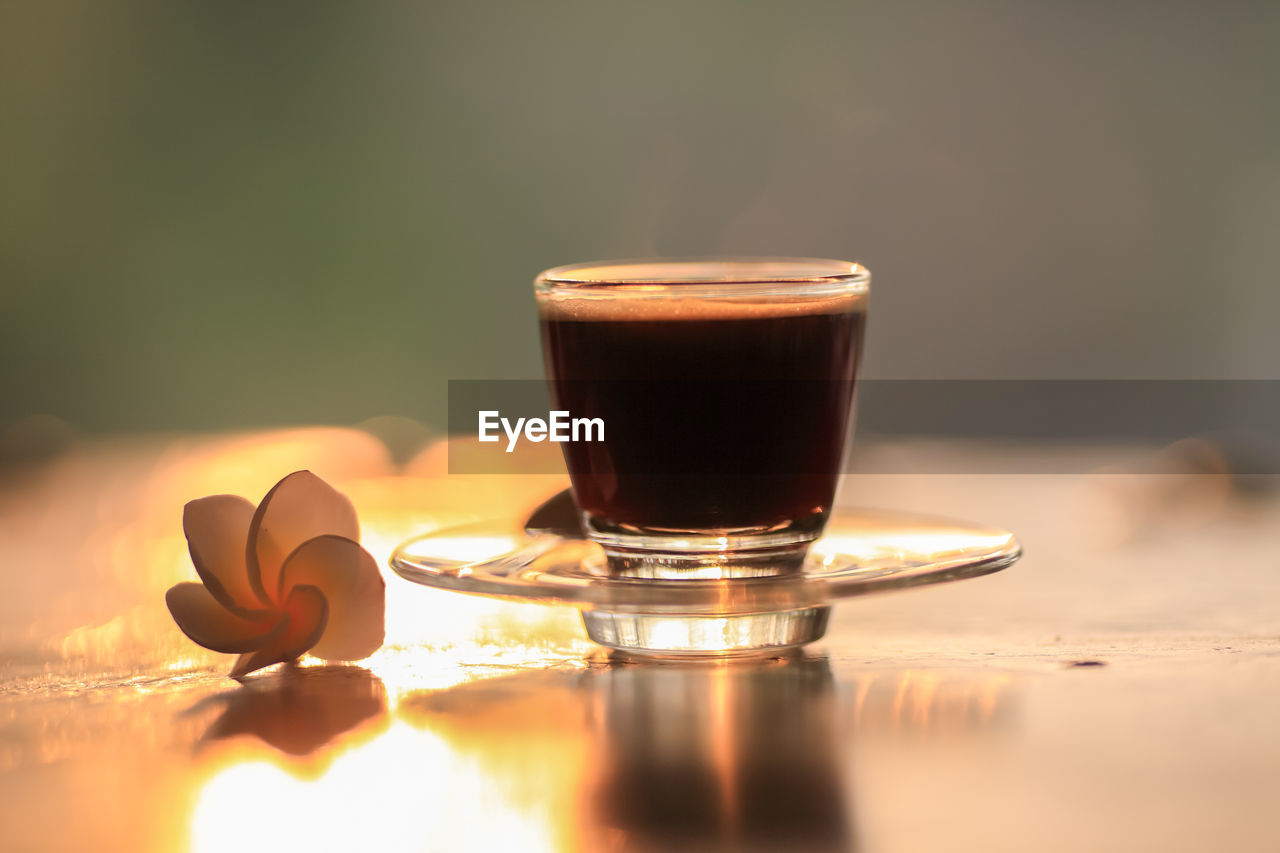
[(223, 215)]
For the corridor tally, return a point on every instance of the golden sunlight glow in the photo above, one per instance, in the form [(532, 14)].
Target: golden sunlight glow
[(395, 509), (406, 790), (907, 542), (494, 727)]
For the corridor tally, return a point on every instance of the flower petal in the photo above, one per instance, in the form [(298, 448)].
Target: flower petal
[(349, 578), (305, 615), (203, 618), (298, 508), (217, 529)]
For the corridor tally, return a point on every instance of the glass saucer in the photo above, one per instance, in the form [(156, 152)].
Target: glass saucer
[(861, 552)]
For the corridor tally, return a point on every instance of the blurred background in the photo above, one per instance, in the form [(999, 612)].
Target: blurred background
[(221, 216)]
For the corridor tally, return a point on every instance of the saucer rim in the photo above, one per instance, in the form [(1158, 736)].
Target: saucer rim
[(705, 596)]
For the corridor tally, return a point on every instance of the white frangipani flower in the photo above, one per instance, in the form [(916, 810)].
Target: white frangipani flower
[(283, 579)]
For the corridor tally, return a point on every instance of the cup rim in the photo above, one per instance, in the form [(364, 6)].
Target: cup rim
[(718, 273)]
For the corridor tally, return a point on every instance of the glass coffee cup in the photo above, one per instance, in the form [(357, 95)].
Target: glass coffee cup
[(725, 389)]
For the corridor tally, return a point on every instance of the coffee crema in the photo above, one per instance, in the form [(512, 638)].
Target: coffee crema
[(669, 305)]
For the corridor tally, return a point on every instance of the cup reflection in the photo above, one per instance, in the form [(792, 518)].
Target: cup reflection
[(741, 757), (678, 756)]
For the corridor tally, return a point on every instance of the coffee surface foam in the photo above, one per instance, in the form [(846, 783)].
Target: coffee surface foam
[(597, 308)]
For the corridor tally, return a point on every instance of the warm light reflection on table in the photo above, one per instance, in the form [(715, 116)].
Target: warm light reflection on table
[(972, 718), (579, 757), (405, 790)]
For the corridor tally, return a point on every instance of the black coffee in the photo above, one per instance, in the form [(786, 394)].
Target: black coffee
[(719, 416)]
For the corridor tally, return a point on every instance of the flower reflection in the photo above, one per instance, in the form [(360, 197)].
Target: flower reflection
[(298, 710)]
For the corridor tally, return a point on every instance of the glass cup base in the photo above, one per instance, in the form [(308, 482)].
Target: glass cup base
[(702, 556), (677, 635), (662, 559)]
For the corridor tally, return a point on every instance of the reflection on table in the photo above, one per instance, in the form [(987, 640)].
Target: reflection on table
[(1114, 691)]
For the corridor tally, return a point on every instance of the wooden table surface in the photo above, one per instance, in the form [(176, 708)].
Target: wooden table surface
[(1118, 689)]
